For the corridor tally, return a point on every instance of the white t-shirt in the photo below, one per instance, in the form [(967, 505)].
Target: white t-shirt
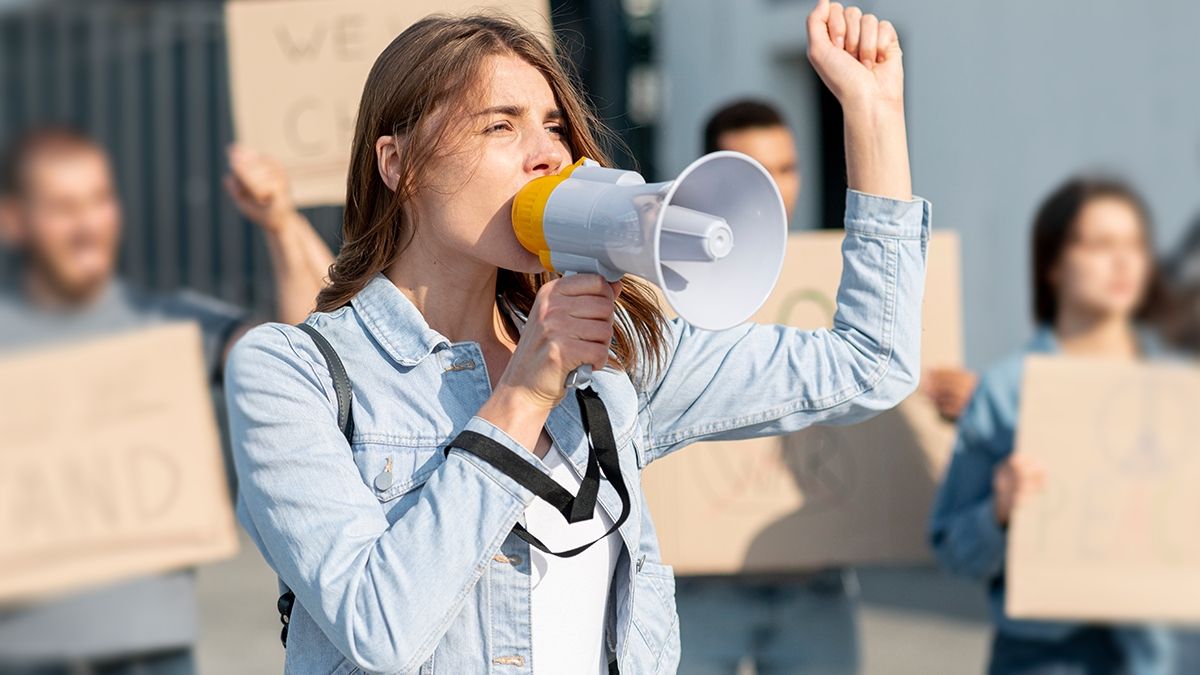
[(569, 595)]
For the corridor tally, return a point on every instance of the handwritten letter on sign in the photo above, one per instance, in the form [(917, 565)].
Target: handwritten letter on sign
[(110, 463), (1113, 535), (297, 69)]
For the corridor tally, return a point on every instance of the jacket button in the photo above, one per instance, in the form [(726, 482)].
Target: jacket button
[(463, 364)]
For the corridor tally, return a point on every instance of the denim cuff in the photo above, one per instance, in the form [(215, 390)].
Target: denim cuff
[(485, 428), (992, 540), (877, 216)]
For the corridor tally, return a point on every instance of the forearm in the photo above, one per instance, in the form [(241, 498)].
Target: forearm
[(969, 542), (320, 257), (296, 281), (877, 149)]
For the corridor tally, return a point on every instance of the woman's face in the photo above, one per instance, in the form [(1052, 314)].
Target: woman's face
[(1105, 269), (512, 134)]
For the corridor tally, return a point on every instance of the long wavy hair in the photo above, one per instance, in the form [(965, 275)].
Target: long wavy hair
[(427, 68)]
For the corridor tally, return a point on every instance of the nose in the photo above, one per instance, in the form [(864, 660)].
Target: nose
[(547, 155)]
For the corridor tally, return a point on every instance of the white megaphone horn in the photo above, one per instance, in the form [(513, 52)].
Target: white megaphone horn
[(713, 239)]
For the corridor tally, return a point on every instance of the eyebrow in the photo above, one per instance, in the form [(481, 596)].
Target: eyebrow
[(517, 111)]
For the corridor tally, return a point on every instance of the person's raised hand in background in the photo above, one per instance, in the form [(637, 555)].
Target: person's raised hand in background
[(300, 259)]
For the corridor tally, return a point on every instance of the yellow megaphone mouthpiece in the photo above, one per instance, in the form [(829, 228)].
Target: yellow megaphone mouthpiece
[(529, 209)]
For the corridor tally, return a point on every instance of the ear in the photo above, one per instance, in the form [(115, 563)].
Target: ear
[(387, 159)]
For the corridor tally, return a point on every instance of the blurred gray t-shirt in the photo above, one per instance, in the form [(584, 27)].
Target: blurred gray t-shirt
[(139, 615)]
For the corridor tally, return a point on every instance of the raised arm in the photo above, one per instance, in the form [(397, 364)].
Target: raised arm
[(300, 259), (764, 380)]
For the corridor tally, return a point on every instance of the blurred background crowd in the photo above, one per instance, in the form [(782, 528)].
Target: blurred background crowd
[(1060, 141)]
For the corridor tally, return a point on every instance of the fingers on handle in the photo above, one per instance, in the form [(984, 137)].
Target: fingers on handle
[(585, 284)]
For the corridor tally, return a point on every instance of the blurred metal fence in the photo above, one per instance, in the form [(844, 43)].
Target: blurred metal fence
[(149, 80)]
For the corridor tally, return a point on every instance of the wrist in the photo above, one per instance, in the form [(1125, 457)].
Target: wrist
[(281, 220), (518, 412), (873, 116)]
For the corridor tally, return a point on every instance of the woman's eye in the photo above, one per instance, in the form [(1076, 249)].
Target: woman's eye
[(557, 130), (499, 126)]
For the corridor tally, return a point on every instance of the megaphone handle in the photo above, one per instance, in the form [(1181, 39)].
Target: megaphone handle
[(581, 377)]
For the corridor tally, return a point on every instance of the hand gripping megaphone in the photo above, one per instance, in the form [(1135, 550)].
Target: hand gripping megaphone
[(713, 239)]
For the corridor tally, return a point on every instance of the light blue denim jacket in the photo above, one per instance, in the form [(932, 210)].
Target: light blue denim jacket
[(963, 529), (426, 575)]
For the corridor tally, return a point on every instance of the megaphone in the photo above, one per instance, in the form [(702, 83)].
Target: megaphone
[(712, 240)]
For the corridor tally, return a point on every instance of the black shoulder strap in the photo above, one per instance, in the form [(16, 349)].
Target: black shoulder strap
[(341, 381), (602, 455), (345, 417)]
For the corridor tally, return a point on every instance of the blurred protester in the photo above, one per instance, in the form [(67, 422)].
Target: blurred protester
[(1094, 281), (60, 217), (802, 621)]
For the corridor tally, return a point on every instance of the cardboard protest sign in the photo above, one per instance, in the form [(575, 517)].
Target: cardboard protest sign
[(110, 463), (1113, 534), (297, 68), (826, 495)]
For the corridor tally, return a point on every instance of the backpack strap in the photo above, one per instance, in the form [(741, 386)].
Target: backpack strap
[(341, 381), (345, 418)]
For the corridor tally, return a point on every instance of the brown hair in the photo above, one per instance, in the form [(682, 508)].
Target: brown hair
[(739, 115), (427, 68), (35, 143)]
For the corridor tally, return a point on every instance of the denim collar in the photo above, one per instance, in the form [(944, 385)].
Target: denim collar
[(395, 322)]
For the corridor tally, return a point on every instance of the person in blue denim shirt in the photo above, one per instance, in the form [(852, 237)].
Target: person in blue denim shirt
[(398, 542), (1094, 278)]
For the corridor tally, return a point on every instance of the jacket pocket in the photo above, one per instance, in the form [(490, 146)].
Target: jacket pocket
[(391, 471), (655, 620)]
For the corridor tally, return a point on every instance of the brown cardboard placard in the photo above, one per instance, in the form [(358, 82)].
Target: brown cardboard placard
[(1113, 534), (825, 495), (297, 68), (110, 465)]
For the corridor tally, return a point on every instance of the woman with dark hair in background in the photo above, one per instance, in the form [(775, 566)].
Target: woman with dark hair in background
[(1094, 281)]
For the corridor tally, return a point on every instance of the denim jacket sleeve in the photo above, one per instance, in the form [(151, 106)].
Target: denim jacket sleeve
[(963, 530), (322, 529), (762, 380)]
